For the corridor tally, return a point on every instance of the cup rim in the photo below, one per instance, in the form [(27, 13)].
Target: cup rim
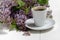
[(41, 7)]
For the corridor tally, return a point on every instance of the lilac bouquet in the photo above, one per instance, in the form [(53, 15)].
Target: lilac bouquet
[(15, 12)]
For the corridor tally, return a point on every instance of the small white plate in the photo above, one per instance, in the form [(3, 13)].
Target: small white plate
[(48, 24)]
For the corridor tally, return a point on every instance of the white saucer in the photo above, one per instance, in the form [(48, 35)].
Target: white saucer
[(48, 24)]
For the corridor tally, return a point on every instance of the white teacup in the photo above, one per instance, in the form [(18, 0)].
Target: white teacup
[(39, 16)]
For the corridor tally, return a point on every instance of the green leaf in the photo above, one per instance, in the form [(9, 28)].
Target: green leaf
[(20, 3), (12, 26), (15, 8), (27, 10), (1, 22), (13, 22), (42, 2)]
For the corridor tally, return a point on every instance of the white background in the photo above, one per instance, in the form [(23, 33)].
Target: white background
[(53, 34)]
